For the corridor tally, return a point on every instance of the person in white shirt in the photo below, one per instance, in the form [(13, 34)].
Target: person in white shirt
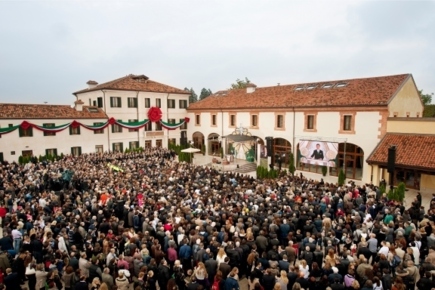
[(17, 236), (384, 248), (415, 253)]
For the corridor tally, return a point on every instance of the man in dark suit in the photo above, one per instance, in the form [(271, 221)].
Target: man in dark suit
[(317, 154), (225, 268), (211, 267), (11, 280)]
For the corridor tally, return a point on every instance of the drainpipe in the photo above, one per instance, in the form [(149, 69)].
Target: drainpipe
[(167, 118), (137, 116), (294, 138), (108, 129)]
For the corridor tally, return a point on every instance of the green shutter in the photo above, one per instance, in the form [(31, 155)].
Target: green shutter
[(20, 131), (122, 147), (80, 150), (70, 130), (111, 102), (46, 152), (72, 151), (120, 103)]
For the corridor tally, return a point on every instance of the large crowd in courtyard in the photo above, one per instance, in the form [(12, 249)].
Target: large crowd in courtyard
[(144, 220)]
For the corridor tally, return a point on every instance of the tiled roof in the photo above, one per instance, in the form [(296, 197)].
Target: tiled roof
[(134, 83), (417, 151), (37, 111), (352, 92)]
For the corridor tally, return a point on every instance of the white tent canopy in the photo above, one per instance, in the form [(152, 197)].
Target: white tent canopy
[(190, 150)]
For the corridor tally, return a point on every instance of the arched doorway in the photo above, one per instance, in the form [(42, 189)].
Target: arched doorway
[(350, 158), (259, 144), (198, 140), (214, 144), (281, 151)]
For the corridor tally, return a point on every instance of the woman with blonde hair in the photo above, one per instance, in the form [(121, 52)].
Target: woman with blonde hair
[(277, 286), (303, 267), (282, 280), (296, 286), (41, 277), (221, 255), (95, 285), (331, 257), (122, 282), (104, 286), (201, 274)]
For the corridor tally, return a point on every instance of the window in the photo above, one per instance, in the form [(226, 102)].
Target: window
[(279, 122), (149, 126), (130, 121), (171, 103), (213, 120), (147, 103), (171, 121), (232, 120), (27, 153), (93, 110), (299, 88), (100, 102), (159, 143), (148, 144), (158, 126), (115, 102), (341, 85), (51, 152), (132, 102), (49, 125), (197, 119), (310, 122), (74, 131), (184, 126), (311, 87), (347, 124), (76, 151), (1, 157), (172, 141), (182, 104), (327, 86), (117, 147), (26, 132), (133, 145), (99, 148), (12, 152), (116, 128), (254, 121), (158, 103), (98, 131)]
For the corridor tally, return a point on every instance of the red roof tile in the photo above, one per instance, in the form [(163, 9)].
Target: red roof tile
[(134, 83), (417, 151), (36, 111), (353, 92)]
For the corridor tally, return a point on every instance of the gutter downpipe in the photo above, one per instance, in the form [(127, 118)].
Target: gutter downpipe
[(108, 129), (294, 139), (137, 116), (167, 118)]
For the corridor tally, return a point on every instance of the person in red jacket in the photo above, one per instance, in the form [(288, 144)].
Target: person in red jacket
[(3, 212)]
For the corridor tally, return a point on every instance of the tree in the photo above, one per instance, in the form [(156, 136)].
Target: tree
[(193, 96), (205, 93), (240, 84), (425, 98)]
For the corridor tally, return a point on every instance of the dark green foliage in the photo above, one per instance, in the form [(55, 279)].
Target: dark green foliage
[(341, 178)]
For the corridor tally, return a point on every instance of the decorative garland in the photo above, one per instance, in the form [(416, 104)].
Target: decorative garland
[(75, 124)]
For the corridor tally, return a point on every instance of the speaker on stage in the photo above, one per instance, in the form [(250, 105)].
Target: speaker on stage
[(391, 159), (269, 146)]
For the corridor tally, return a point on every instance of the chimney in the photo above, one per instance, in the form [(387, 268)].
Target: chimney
[(78, 105), (250, 88), (91, 84)]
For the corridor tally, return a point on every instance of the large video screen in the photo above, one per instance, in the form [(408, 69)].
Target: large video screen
[(318, 152)]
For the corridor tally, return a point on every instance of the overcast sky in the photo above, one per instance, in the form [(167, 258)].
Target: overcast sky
[(49, 49)]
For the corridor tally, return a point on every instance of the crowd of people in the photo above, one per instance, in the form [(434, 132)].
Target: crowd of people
[(145, 221)]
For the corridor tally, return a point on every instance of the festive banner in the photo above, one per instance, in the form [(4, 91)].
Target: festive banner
[(74, 124), (8, 129)]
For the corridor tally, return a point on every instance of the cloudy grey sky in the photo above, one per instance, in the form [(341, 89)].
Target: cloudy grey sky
[(50, 49)]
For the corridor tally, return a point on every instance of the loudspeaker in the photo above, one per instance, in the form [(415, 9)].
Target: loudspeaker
[(269, 146), (391, 159)]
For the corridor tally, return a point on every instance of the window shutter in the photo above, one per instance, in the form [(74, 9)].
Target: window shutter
[(122, 147), (55, 152), (113, 147), (78, 130), (80, 150), (72, 151), (20, 131), (135, 102), (111, 101), (46, 152), (70, 130), (30, 131), (119, 102)]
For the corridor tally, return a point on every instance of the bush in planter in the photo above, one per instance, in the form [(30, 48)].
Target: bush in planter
[(324, 170), (291, 167), (341, 178), (398, 193)]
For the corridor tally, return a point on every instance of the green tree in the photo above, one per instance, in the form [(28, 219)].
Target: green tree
[(240, 84), (291, 161), (193, 96), (205, 93), (425, 98)]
